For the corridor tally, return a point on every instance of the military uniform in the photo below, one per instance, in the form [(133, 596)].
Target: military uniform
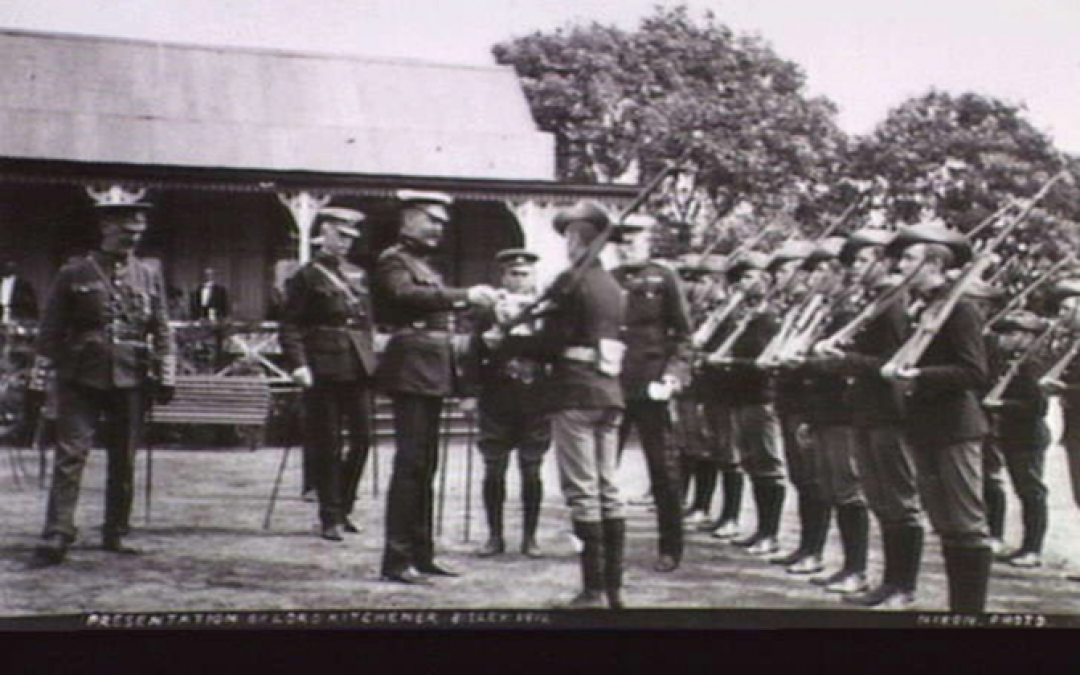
[(511, 417), (750, 391), (884, 457), (418, 371), (105, 331), (580, 340), (701, 423), (657, 337), (1019, 430), (946, 427), (327, 326)]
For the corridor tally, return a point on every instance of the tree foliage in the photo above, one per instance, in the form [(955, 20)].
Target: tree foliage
[(622, 102), (962, 157)]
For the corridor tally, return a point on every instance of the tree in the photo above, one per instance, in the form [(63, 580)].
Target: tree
[(960, 158), (620, 103)]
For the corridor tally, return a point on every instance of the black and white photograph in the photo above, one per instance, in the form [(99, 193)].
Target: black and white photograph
[(539, 314)]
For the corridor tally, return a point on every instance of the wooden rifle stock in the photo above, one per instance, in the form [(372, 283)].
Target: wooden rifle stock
[(870, 311), (996, 395), (1057, 371), (569, 282), (935, 316), (705, 332), (1023, 295)]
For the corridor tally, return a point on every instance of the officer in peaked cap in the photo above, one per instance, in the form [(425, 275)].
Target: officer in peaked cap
[(327, 337), (510, 410), (657, 364), (105, 337), (418, 372), (581, 342), (945, 423)]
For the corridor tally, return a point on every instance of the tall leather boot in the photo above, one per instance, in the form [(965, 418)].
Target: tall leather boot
[(591, 596), (968, 570), (688, 465), (909, 545), (760, 491), (733, 483), (532, 496), (994, 497), (854, 524), (806, 507), (774, 506), (494, 497), (1035, 517), (704, 486), (614, 551)]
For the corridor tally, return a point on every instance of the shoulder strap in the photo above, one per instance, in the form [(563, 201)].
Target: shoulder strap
[(337, 282)]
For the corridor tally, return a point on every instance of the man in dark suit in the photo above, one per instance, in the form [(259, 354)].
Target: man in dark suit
[(945, 424), (18, 302), (105, 337), (210, 301), (657, 363), (418, 372), (327, 336)]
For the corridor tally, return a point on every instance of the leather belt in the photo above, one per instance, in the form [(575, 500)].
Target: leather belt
[(440, 334), (582, 354)]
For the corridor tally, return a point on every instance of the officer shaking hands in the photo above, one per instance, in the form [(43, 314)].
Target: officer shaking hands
[(417, 372)]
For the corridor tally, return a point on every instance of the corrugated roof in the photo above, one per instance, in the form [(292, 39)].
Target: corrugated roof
[(123, 101)]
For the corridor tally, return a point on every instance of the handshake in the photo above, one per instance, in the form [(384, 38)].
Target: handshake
[(483, 295)]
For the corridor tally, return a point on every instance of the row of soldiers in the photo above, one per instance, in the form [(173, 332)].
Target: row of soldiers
[(853, 436), (630, 348)]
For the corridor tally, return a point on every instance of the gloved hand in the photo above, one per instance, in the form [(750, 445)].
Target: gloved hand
[(302, 376)]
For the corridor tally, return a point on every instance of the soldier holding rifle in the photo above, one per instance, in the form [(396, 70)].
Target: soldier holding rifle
[(829, 419), (1019, 427), (788, 266), (945, 423), (581, 340), (883, 457), (750, 392)]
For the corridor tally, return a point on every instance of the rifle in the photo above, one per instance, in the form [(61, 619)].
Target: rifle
[(935, 316), (1057, 371), (994, 398), (566, 284), (869, 312), (843, 217), (1018, 301)]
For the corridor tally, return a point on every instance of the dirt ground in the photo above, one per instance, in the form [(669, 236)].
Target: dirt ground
[(204, 548)]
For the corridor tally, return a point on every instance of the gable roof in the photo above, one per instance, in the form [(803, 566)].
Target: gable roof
[(110, 100)]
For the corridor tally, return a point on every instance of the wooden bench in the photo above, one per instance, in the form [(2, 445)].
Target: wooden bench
[(215, 400)]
